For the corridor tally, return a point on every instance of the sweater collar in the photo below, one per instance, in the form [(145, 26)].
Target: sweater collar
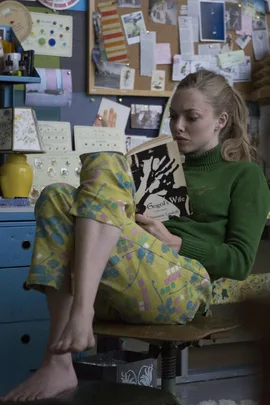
[(204, 159)]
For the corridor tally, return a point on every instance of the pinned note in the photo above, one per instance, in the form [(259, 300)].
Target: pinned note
[(163, 54), (147, 53), (230, 59)]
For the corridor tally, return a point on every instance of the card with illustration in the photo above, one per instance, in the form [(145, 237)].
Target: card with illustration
[(158, 80), (163, 11), (127, 79), (212, 21)]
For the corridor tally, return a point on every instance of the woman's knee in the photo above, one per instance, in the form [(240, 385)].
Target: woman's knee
[(49, 193)]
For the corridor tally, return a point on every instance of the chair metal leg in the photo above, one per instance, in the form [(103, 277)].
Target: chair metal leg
[(168, 369)]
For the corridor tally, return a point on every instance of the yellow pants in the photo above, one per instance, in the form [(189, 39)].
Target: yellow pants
[(144, 281)]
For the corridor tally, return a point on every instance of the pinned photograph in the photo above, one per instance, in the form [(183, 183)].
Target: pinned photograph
[(163, 11), (212, 21), (112, 114), (54, 90), (146, 116), (259, 24), (129, 3), (243, 41), (108, 75), (133, 25), (158, 80), (233, 17), (127, 79)]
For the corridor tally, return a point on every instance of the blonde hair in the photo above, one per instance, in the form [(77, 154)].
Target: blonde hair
[(223, 98)]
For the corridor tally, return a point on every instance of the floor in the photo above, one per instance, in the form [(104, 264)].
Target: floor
[(240, 391)]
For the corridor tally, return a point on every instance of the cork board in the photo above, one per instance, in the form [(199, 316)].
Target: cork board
[(165, 33)]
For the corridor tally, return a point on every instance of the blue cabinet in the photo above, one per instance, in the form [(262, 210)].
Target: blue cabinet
[(24, 316)]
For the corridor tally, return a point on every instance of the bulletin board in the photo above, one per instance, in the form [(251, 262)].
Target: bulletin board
[(165, 34)]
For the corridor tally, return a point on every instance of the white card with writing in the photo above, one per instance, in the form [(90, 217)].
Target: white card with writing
[(147, 53), (186, 37), (55, 136), (99, 139)]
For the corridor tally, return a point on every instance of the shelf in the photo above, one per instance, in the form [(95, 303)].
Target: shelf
[(20, 79)]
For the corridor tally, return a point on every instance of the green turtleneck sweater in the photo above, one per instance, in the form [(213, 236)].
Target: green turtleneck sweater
[(230, 203)]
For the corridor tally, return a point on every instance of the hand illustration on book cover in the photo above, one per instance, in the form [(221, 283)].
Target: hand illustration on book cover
[(161, 191)]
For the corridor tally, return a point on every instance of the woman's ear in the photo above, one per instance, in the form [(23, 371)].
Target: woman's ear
[(223, 119)]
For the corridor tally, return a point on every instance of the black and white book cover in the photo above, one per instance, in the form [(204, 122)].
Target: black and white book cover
[(161, 190)]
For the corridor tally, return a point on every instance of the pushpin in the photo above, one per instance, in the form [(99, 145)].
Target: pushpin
[(120, 100), (92, 99), (68, 73), (127, 64)]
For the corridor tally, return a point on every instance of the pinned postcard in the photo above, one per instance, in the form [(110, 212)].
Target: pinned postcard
[(147, 53), (129, 3), (260, 43), (242, 72), (51, 34), (246, 24), (231, 59), (146, 116), (127, 79), (133, 25), (243, 41), (112, 114), (233, 16), (193, 12), (163, 54), (54, 90), (158, 80), (180, 68), (212, 21), (163, 11), (186, 37), (108, 75), (209, 49)]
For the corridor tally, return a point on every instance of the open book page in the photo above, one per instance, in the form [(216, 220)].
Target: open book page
[(160, 140), (161, 190)]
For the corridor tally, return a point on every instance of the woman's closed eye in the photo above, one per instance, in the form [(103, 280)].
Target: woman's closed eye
[(193, 118)]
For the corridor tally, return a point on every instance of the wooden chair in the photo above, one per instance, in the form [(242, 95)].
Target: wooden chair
[(167, 339)]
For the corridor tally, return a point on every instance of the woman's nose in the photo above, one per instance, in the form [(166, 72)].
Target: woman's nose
[(179, 125)]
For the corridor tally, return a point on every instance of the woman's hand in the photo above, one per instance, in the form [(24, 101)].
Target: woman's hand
[(159, 231)]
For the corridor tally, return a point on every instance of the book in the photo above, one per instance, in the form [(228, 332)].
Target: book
[(156, 166), (157, 170)]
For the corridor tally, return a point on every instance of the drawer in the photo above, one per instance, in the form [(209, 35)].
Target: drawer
[(21, 349), (16, 303), (16, 245)]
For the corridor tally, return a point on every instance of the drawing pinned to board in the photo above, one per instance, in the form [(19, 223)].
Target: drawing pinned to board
[(145, 116), (127, 79), (129, 3), (54, 90), (133, 25), (112, 114), (163, 11), (158, 80), (51, 35), (212, 20)]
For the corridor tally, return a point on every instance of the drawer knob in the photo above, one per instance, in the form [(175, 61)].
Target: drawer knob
[(25, 286), (25, 339), (26, 244)]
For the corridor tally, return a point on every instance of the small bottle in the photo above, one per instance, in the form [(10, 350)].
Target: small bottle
[(8, 67), (22, 67)]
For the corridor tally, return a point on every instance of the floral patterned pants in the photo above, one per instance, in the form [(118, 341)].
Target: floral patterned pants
[(144, 280)]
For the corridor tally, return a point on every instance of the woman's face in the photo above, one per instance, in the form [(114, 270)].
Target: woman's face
[(193, 123)]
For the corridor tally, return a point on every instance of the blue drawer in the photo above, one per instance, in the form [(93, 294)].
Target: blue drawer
[(16, 244), (17, 304), (21, 348)]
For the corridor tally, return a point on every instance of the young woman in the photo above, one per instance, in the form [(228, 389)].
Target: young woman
[(88, 239)]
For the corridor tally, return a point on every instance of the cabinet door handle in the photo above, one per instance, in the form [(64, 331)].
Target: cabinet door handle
[(25, 339), (25, 286), (26, 244)]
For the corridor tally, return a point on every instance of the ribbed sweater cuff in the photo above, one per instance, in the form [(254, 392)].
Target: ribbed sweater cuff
[(194, 249)]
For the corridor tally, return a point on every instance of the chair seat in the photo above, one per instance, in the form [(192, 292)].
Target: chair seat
[(201, 327)]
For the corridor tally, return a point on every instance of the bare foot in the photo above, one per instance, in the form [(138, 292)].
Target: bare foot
[(53, 378), (78, 333)]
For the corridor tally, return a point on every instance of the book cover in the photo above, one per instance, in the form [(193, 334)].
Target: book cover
[(161, 190)]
